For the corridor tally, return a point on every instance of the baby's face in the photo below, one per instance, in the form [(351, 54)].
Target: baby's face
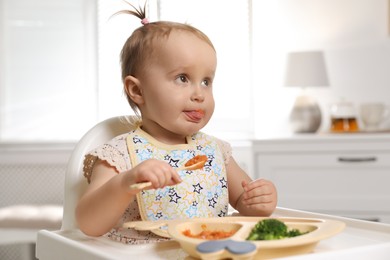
[(177, 87)]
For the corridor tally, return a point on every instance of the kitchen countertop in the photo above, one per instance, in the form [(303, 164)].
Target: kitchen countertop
[(359, 240)]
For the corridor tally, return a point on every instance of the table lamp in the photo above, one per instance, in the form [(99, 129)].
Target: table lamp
[(305, 69)]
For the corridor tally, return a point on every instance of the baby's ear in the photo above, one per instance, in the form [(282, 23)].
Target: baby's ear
[(133, 90)]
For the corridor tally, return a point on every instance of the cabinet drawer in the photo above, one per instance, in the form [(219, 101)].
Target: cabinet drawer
[(339, 181)]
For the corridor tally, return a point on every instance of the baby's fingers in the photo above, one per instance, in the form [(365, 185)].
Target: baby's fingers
[(176, 178), (259, 183), (169, 177), (257, 192), (264, 199)]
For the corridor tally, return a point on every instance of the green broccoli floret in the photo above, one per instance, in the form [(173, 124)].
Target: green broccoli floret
[(294, 233), (270, 229)]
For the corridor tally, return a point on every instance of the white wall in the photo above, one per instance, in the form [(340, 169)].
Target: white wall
[(354, 36)]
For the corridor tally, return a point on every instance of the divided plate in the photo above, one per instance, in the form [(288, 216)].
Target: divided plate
[(237, 246)]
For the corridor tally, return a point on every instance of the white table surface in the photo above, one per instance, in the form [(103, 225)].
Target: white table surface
[(359, 240)]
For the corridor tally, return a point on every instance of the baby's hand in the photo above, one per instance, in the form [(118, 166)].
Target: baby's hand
[(159, 173), (260, 196)]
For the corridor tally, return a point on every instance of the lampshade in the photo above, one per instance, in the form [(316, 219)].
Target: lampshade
[(306, 69)]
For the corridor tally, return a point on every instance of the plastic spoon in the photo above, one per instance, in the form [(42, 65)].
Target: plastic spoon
[(195, 163)]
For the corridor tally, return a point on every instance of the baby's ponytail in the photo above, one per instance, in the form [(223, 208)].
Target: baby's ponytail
[(137, 12)]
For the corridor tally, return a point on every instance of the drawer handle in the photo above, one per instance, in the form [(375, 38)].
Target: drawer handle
[(357, 159)]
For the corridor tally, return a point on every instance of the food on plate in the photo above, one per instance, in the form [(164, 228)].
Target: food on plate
[(198, 162), (271, 229), (209, 234)]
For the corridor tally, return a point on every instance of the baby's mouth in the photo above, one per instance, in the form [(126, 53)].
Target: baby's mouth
[(195, 115)]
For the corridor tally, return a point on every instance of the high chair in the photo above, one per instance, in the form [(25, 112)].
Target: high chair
[(70, 243)]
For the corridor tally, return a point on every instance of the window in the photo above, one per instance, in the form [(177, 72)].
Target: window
[(61, 72), (47, 85)]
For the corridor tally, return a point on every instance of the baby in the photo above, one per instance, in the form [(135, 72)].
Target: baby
[(168, 71)]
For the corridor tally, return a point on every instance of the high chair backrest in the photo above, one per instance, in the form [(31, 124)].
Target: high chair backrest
[(75, 182)]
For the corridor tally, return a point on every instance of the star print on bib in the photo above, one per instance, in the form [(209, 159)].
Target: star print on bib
[(203, 192)]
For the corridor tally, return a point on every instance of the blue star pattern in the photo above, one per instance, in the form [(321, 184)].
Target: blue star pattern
[(144, 155), (191, 211), (202, 193)]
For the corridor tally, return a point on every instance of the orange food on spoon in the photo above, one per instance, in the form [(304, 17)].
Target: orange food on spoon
[(196, 163)]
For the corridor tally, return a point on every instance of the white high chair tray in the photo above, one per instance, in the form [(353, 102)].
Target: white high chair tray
[(359, 240)]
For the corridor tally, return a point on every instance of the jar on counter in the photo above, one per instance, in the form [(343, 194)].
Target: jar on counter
[(343, 117)]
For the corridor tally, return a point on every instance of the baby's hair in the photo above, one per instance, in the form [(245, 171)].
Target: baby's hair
[(141, 44), (140, 12)]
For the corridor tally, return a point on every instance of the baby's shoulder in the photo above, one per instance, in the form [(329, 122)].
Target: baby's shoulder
[(119, 139), (114, 152)]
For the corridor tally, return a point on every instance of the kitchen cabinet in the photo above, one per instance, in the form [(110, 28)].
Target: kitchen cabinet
[(339, 174)]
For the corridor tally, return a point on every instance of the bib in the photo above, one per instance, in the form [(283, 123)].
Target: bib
[(202, 193)]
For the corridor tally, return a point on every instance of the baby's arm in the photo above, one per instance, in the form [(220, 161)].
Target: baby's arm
[(250, 198), (108, 195)]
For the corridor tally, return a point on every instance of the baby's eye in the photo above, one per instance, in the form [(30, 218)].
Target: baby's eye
[(206, 83), (182, 79)]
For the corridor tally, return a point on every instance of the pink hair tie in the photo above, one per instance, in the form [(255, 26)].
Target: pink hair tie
[(144, 21)]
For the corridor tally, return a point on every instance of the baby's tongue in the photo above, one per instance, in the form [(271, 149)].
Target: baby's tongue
[(195, 114)]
